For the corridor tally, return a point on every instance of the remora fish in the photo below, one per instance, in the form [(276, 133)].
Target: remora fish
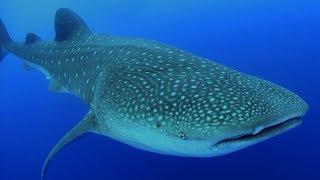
[(153, 96)]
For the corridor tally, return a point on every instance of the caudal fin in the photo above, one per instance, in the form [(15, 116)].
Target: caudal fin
[(4, 40)]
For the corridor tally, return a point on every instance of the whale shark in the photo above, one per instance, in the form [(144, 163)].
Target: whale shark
[(153, 96)]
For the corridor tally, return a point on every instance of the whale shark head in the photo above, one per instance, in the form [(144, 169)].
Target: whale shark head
[(191, 106)]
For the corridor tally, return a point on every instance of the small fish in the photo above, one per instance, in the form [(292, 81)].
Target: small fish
[(153, 96)]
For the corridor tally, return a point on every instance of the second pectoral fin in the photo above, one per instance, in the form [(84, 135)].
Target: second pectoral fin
[(55, 86)]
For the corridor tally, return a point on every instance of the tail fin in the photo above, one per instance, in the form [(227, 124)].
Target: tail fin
[(4, 39)]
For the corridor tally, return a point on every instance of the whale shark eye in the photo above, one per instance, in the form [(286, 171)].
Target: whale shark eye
[(182, 135), (158, 124)]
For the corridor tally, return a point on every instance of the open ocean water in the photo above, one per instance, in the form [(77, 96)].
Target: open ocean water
[(277, 40)]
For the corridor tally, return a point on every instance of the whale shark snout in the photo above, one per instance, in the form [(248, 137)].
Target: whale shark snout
[(285, 112)]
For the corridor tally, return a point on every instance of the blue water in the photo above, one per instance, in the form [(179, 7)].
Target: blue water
[(277, 40)]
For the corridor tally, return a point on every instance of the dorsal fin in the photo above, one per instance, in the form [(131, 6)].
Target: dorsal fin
[(69, 25), (32, 38)]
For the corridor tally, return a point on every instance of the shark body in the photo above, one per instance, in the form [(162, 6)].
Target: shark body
[(153, 96)]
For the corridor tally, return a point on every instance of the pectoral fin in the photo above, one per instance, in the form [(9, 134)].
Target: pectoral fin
[(26, 66), (55, 86), (87, 125)]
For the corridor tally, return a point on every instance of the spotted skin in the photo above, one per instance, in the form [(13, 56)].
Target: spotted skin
[(184, 96), (157, 97)]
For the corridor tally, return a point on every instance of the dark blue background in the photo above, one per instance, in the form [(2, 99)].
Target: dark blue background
[(277, 40)]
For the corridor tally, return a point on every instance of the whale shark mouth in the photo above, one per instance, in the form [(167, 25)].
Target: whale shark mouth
[(260, 134)]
